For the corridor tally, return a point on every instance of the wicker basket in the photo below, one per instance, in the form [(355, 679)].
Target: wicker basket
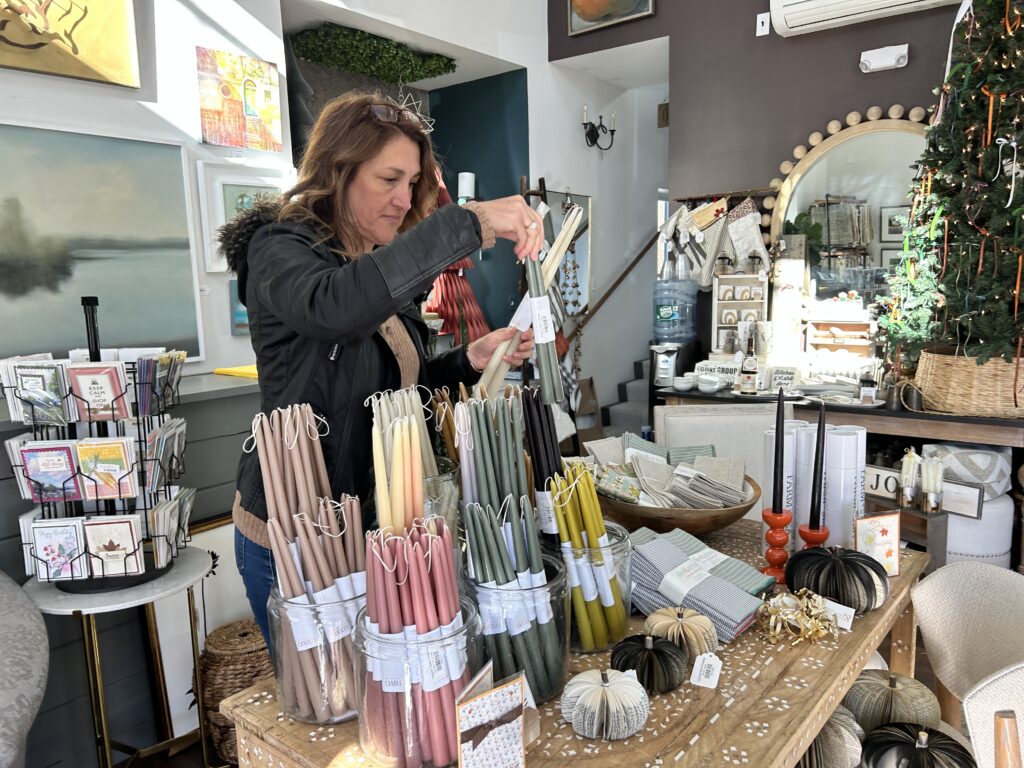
[(957, 384), (234, 658)]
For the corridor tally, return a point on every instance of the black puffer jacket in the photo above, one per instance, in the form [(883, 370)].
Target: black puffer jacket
[(313, 320)]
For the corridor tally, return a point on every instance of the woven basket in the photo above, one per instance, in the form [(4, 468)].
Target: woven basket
[(958, 385), (234, 658)]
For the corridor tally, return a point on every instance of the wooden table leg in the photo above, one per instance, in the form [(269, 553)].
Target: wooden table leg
[(903, 643)]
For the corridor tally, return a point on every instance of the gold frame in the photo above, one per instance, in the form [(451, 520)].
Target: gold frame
[(816, 153)]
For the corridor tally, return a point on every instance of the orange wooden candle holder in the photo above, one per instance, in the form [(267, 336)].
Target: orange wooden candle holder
[(813, 537), (777, 538)]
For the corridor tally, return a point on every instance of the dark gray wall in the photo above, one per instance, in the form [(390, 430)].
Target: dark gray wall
[(741, 103), (62, 732), (328, 82)]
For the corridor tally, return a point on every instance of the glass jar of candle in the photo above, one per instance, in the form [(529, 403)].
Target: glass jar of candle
[(599, 582), (406, 687), (311, 649), (525, 627), (441, 493)]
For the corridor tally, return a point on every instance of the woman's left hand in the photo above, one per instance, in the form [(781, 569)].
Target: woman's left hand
[(480, 351)]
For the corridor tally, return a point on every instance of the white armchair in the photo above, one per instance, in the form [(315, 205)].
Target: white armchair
[(998, 692), (971, 617)]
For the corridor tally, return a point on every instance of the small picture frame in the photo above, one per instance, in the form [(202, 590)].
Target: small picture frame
[(750, 315), (891, 258), (224, 192), (725, 293), (729, 317), (592, 18), (756, 292), (894, 220)]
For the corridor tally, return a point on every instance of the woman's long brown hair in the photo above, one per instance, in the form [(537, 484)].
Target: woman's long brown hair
[(346, 135)]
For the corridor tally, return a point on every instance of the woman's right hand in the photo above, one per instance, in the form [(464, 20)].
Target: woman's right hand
[(514, 220)]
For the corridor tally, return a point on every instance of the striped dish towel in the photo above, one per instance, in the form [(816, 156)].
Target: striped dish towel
[(743, 575), (660, 567)]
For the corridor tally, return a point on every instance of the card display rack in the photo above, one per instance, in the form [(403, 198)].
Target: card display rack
[(160, 392)]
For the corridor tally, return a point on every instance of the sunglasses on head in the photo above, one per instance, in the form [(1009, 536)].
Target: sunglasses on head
[(386, 113)]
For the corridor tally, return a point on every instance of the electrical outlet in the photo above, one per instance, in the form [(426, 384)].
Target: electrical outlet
[(764, 21)]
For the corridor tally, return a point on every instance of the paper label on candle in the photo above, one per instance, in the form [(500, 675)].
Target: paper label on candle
[(706, 669), (587, 581), (303, 625), (523, 316), (546, 512), (517, 614), (841, 613), (396, 673), (543, 324), (293, 547), (455, 649), (490, 610), (604, 574), (344, 587), (433, 661), (606, 554), (523, 578), (680, 580), (541, 598), (336, 620), (572, 572), (708, 558)]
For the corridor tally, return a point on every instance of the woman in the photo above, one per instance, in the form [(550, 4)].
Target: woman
[(330, 274)]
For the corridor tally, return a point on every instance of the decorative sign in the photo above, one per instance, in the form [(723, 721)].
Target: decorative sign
[(964, 499), (782, 377), (726, 371)]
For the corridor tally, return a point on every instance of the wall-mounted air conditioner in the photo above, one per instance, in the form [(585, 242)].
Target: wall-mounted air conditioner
[(797, 17)]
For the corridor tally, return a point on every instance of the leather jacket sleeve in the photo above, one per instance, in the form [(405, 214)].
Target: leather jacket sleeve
[(322, 300), (450, 368)]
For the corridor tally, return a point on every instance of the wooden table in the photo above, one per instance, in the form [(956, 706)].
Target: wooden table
[(772, 698), (927, 426)]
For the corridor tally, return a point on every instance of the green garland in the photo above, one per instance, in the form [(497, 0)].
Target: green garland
[(356, 51)]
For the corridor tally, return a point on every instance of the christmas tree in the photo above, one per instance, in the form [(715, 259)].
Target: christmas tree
[(959, 279)]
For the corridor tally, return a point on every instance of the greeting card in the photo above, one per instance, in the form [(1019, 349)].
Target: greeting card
[(50, 472), (879, 537), (113, 545), (107, 466), (100, 390), (491, 727), (58, 546)]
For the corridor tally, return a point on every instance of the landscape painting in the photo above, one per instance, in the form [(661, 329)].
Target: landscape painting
[(87, 39), (85, 215)]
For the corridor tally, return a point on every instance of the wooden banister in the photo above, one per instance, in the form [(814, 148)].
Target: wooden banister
[(618, 281)]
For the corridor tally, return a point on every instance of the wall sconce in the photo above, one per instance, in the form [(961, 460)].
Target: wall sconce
[(592, 133)]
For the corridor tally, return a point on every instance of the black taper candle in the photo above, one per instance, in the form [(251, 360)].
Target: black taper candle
[(819, 471), (780, 441)]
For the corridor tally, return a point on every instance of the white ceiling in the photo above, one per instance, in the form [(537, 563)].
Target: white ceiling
[(628, 66), (470, 65)]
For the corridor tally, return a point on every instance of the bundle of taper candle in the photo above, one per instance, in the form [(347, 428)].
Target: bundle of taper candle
[(489, 435), (416, 659), (521, 631), (403, 457), (599, 612), (542, 443), (318, 551)]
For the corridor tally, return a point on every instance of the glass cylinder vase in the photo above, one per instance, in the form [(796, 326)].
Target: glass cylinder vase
[(312, 654), (599, 581), (407, 683), (525, 627)]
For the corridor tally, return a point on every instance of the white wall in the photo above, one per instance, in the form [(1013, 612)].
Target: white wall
[(166, 108), (622, 182)]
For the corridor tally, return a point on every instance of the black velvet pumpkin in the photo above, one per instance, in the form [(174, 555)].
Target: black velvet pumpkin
[(660, 664), (922, 747), (848, 577)]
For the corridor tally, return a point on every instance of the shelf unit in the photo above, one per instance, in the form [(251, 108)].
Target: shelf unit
[(727, 313), (854, 335)]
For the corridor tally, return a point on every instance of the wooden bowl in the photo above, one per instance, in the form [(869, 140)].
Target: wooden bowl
[(662, 520)]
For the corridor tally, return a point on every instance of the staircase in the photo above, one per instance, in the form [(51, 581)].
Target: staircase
[(630, 413)]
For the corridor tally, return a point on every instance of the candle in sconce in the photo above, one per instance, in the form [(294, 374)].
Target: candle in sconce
[(585, 120), (612, 126)]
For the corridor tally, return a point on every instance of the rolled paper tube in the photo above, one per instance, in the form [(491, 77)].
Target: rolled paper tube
[(818, 475), (841, 487)]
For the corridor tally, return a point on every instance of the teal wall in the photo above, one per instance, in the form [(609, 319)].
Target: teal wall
[(483, 127)]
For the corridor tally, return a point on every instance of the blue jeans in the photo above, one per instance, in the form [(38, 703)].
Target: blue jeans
[(256, 567)]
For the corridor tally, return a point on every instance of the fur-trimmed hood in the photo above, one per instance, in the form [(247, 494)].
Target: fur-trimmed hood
[(233, 238)]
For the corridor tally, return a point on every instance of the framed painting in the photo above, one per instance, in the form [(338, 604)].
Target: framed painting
[(85, 39), (588, 15), (891, 258), (894, 221), (84, 215), (224, 192), (239, 100)]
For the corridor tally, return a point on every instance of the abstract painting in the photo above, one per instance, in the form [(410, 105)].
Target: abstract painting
[(588, 15), (239, 101), (84, 215), (87, 39)]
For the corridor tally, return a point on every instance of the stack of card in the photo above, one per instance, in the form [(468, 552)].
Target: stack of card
[(49, 469), (157, 377), (58, 549), (165, 448), (108, 468), (99, 390), (168, 525), (37, 389), (114, 545)]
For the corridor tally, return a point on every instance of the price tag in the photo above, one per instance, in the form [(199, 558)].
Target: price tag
[(841, 613), (706, 669), (546, 512), (303, 625), (708, 558), (570, 565), (359, 582), (543, 324), (433, 663), (587, 581)]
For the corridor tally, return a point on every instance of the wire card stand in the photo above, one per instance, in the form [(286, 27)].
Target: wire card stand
[(135, 485)]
